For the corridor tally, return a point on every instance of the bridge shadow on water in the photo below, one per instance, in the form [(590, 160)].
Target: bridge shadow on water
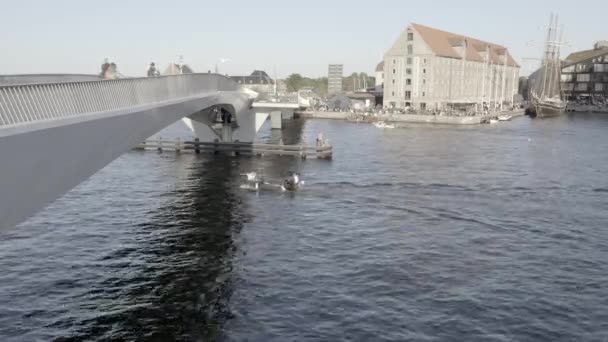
[(181, 280), (180, 275)]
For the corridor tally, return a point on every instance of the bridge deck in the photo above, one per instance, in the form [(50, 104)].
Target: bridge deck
[(22, 104)]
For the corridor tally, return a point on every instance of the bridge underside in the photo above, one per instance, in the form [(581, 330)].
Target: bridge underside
[(43, 160)]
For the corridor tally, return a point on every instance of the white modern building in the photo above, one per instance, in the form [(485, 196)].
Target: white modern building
[(334, 78), (430, 69)]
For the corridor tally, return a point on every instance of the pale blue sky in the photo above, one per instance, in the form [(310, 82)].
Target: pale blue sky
[(74, 36)]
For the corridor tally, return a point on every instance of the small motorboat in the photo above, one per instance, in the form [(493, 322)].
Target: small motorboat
[(382, 124), (291, 183), (504, 117), (256, 181), (493, 121)]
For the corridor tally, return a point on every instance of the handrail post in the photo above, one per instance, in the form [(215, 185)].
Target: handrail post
[(197, 148)]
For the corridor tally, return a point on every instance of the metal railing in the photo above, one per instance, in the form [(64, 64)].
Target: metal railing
[(20, 104)]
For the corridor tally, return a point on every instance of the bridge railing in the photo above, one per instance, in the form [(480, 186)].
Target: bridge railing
[(20, 104)]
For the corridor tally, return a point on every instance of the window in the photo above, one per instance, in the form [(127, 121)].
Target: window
[(394, 61), (569, 69), (424, 71), (393, 81), (423, 94), (568, 86), (566, 77), (408, 71), (393, 93), (581, 87), (409, 61), (408, 81), (599, 87), (410, 36), (582, 68), (583, 77), (599, 68), (394, 71), (424, 61), (408, 95), (410, 49), (423, 106), (423, 81)]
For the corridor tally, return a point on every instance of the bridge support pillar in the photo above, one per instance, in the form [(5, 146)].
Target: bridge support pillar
[(276, 120), (287, 114), (227, 132)]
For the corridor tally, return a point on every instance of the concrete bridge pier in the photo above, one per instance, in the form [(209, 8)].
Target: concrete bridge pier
[(277, 117), (277, 112), (276, 120), (227, 132), (243, 128)]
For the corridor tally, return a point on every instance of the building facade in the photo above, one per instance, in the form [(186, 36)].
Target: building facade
[(430, 69), (585, 74), (380, 74), (334, 78), (258, 81)]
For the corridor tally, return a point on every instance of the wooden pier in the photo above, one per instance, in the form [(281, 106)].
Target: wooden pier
[(320, 151)]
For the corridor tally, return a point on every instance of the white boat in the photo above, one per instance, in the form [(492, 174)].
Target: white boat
[(504, 117), (382, 124), (493, 121)]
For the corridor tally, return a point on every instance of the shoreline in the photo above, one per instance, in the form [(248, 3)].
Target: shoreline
[(412, 118)]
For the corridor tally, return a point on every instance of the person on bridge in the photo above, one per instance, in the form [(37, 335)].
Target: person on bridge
[(226, 116), (104, 68), (152, 70)]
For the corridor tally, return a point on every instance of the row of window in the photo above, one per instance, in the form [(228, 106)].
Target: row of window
[(408, 71), (408, 81), (576, 77), (582, 87), (586, 68), (408, 94), (409, 61)]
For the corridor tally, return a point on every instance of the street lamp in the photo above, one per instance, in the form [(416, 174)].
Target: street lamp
[(220, 61)]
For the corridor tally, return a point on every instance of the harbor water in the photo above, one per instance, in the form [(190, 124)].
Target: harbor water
[(422, 233)]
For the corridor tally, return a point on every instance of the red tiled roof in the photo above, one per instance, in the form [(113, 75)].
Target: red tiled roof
[(442, 43)]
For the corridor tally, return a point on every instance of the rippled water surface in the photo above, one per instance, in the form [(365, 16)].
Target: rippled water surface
[(422, 233)]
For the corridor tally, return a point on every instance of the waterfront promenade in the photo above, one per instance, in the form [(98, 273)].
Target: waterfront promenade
[(414, 117)]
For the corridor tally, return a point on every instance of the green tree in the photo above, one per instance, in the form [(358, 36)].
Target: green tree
[(294, 82)]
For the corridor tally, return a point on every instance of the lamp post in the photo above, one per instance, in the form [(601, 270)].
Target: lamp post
[(220, 61)]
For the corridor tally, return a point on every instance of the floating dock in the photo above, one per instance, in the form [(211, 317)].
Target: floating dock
[(321, 151)]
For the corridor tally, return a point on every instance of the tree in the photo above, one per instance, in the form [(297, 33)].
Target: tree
[(294, 82)]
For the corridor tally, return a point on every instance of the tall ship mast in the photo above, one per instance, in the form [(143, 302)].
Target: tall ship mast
[(545, 91)]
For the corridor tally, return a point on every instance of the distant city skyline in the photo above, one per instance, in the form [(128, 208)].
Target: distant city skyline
[(69, 36)]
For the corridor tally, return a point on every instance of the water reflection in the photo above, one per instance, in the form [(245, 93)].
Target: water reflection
[(181, 279)]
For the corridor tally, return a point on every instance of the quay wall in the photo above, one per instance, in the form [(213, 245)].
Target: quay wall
[(413, 118)]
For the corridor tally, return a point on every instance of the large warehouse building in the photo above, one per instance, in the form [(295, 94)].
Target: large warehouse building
[(430, 69)]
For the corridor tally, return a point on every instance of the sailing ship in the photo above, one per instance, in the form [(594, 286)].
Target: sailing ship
[(545, 91)]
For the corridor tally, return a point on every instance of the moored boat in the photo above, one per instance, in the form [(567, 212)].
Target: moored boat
[(382, 124), (546, 95)]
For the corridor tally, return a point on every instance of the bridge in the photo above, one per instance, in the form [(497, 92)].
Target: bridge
[(53, 136)]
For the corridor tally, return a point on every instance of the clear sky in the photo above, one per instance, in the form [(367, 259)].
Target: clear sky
[(74, 36)]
